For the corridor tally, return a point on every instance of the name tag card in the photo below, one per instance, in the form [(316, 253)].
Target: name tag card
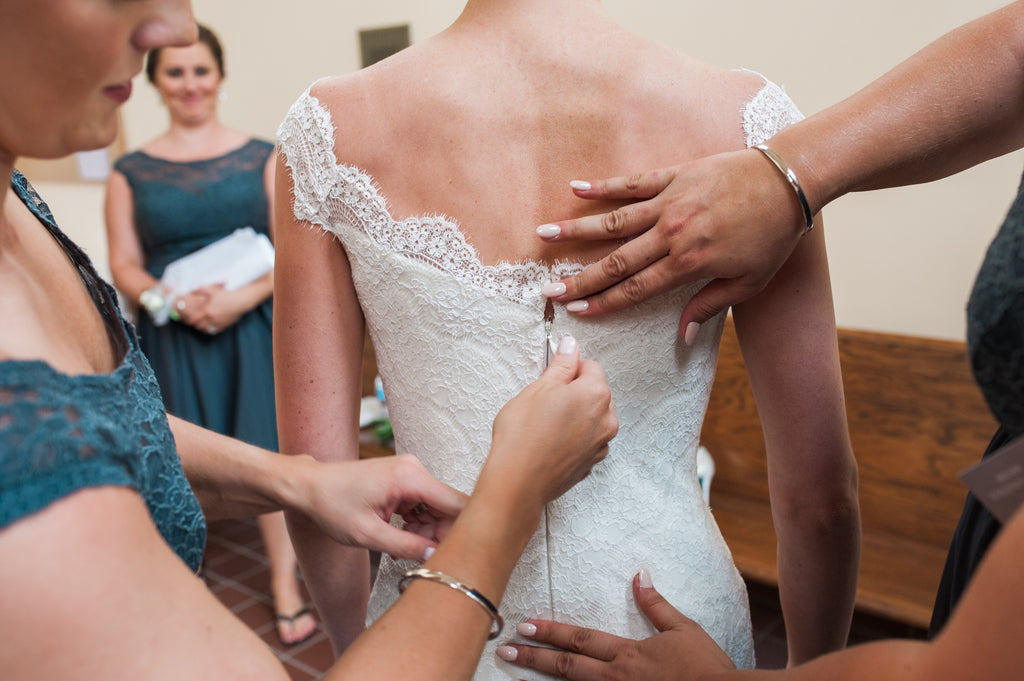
[(998, 481)]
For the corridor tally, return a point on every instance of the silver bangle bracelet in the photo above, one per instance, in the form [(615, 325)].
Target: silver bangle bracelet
[(790, 176), (442, 578)]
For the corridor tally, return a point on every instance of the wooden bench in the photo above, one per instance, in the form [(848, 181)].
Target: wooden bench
[(916, 420)]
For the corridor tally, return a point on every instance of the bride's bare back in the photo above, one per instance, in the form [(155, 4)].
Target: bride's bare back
[(488, 122)]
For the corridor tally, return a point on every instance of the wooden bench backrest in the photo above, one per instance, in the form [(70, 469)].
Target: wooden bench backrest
[(916, 419)]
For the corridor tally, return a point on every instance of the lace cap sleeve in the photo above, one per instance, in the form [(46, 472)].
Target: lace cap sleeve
[(44, 455), (768, 112), (305, 140)]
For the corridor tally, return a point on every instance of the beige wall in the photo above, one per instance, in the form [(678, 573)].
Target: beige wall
[(902, 260)]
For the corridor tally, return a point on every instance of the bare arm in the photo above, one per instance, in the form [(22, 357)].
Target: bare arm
[(318, 341), (121, 604), (127, 261), (351, 502), (788, 337), (85, 575), (952, 105), (733, 218)]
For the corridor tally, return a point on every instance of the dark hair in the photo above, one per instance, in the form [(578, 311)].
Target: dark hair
[(206, 37)]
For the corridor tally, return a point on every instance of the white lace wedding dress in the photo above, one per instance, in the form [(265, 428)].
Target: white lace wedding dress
[(456, 339)]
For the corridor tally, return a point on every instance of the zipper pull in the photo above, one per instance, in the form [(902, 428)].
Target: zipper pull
[(549, 320)]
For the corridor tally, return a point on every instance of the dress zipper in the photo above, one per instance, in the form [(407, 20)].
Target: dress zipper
[(549, 320)]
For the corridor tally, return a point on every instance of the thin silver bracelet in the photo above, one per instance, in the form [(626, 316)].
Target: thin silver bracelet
[(790, 176), (442, 578)]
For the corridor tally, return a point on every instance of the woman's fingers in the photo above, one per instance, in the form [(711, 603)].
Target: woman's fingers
[(641, 186), (421, 489), (565, 365), (662, 614), (590, 642), (635, 272), (620, 223), (726, 217), (579, 654), (681, 651)]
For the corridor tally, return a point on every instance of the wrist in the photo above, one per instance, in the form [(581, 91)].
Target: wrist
[(509, 502), (823, 169), (292, 480), (796, 188), (487, 539)]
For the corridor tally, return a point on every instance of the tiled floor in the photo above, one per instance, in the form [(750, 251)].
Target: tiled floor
[(235, 569), (236, 572)]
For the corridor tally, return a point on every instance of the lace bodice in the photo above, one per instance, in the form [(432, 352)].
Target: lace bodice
[(61, 433), (179, 207), (456, 339)]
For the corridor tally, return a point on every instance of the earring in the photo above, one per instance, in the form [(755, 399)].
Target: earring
[(222, 95)]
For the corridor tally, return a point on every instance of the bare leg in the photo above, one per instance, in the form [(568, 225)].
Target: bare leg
[(292, 627)]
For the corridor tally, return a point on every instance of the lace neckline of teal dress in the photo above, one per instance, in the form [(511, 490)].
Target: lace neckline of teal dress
[(102, 294), (60, 433)]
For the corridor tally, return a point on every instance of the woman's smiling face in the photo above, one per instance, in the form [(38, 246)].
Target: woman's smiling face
[(67, 65), (188, 80)]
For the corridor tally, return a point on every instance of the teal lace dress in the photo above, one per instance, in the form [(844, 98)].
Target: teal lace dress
[(995, 343), (223, 382), (60, 433)]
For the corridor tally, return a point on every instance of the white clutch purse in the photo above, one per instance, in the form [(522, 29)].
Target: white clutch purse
[(234, 261)]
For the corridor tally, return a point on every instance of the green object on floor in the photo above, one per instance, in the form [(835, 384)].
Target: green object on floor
[(382, 430)]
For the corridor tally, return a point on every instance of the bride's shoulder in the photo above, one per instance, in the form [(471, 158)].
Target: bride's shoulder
[(363, 93), (344, 97), (734, 87), (367, 106)]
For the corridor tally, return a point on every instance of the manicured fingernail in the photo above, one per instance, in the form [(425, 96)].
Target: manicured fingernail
[(692, 329), (428, 553), (526, 629), (548, 231), (577, 306), (567, 345), (552, 289), (582, 185), (507, 653), (644, 579)]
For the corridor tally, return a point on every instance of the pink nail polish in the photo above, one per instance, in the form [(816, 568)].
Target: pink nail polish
[(582, 185), (428, 553), (644, 579), (577, 306), (552, 289), (567, 345), (507, 653), (526, 629), (548, 231), (692, 329)]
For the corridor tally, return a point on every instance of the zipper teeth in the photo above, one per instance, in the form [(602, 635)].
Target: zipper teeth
[(547, 342), (549, 320)]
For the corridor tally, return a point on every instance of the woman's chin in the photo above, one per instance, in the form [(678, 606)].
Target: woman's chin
[(90, 138)]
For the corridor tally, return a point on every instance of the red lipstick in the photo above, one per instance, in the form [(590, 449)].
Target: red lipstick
[(119, 93)]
